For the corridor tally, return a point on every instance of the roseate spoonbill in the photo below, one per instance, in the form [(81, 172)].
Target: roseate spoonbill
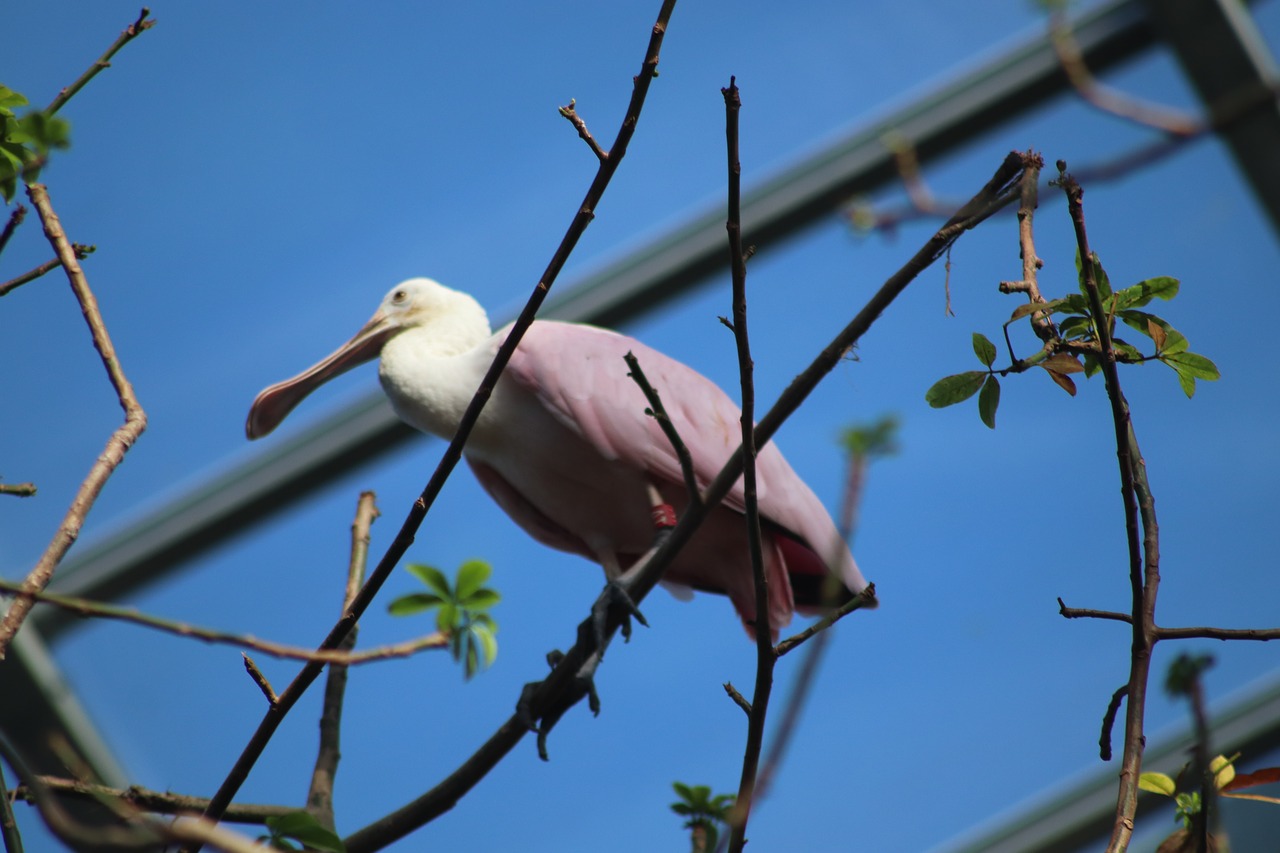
[(565, 448)]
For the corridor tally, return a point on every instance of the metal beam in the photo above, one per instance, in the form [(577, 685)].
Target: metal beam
[(250, 493), (1235, 75)]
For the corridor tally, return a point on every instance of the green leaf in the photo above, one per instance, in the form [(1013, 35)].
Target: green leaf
[(471, 576), (447, 618), (1157, 783), (481, 599), (488, 643), (1049, 307), (432, 577), (1160, 287), (1194, 364), (414, 602), (305, 828), (1076, 327), (1100, 278), (1174, 341), (957, 388), (10, 99), (1091, 365), (989, 401), (984, 349)]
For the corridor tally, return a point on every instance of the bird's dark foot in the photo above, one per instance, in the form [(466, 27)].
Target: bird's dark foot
[(584, 685), (613, 597)]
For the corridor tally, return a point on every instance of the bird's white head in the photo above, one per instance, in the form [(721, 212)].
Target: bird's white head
[(451, 322)]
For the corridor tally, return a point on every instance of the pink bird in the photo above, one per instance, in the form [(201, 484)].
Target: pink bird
[(565, 448)]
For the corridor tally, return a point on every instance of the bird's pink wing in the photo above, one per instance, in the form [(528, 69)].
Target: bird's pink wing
[(579, 374)]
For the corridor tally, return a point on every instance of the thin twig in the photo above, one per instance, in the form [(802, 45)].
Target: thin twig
[(129, 33), (15, 219), (552, 693), (134, 832), (260, 679), (1144, 547), (8, 825), (738, 698), (1193, 633), (21, 490), (82, 251), (514, 729), (659, 414), (765, 658), (98, 610), (1109, 721), (571, 113), (320, 794), (147, 800), (866, 598), (135, 421)]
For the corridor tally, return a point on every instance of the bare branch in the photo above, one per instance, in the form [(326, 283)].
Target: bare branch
[(147, 800), (571, 113), (15, 219), (21, 490), (659, 414), (765, 658), (259, 679), (82, 251), (864, 599), (98, 610), (127, 35), (1109, 721), (738, 698), (135, 421), (320, 794)]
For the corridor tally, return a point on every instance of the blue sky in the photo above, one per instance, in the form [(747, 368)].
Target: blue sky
[(255, 180)]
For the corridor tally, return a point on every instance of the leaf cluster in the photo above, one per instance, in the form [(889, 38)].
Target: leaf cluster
[(1073, 345), (706, 813), (460, 611), (1184, 788), (25, 142)]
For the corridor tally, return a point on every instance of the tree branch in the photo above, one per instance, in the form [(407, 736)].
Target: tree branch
[(82, 251), (659, 414), (320, 794), (135, 421), (127, 35), (99, 610), (147, 800), (1144, 553)]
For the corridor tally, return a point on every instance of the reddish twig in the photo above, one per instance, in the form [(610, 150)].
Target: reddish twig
[(570, 112), (135, 421)]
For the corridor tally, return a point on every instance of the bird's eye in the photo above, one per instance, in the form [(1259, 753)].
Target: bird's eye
[(400, 296)]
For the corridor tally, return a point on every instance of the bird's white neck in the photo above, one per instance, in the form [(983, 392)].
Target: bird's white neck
[(431, 371)]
